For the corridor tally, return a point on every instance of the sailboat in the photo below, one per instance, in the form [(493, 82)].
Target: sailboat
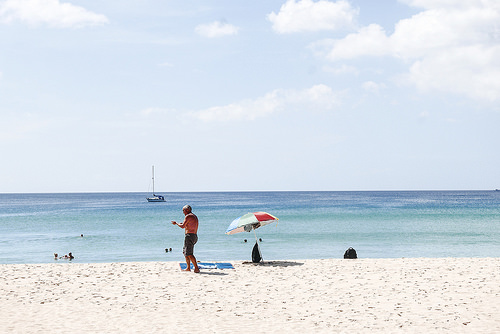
[(155, 198)]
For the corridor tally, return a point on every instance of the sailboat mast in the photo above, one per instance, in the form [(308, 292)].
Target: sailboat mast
[(154, 198), (153, 178)]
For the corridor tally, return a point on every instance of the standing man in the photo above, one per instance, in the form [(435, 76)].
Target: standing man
[(190, 225)]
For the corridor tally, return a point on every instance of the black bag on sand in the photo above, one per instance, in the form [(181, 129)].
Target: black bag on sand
[(256, 254), (350, 253)]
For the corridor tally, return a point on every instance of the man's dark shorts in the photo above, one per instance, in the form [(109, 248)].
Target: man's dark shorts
[(189, 240)]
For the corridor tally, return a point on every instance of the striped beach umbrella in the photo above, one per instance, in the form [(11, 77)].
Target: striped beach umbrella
[(250, 221)]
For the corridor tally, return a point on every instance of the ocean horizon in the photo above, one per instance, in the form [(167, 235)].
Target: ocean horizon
[(124, 227)]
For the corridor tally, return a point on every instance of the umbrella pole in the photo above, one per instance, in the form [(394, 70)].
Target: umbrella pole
[(258, 246)]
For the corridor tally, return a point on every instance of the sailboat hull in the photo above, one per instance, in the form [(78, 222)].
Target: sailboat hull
[(156, 199)]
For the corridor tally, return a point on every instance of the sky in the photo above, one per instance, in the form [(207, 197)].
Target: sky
[(232, 95)]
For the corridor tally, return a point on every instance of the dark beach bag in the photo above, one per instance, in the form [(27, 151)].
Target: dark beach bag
[(350, 253), (256, 254)]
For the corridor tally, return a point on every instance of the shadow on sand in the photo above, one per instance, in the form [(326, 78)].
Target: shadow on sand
[(203, 272), (276, 263)]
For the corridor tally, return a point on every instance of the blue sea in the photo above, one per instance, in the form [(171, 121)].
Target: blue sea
[(123, 227)]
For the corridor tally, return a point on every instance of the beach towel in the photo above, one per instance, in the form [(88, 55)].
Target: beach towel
[(208, 265)]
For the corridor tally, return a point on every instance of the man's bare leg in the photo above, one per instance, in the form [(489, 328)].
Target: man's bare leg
[(188, 262), (195, 263)]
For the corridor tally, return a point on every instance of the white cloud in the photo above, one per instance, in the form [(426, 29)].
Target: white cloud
[(216, 29), (318, 97), (370, 40), (441, 28), (423, 115), (451, 46), (373, 87), (307, 15), (166, 64), (429, 4), (470, 70), (49, 12), (342, 69)]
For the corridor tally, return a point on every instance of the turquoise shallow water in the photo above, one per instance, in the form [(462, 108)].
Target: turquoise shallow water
[(125, 227)]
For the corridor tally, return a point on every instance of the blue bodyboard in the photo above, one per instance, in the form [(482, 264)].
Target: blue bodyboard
[(208, 265)]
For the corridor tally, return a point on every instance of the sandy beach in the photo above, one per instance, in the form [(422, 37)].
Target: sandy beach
[(455, 295)]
